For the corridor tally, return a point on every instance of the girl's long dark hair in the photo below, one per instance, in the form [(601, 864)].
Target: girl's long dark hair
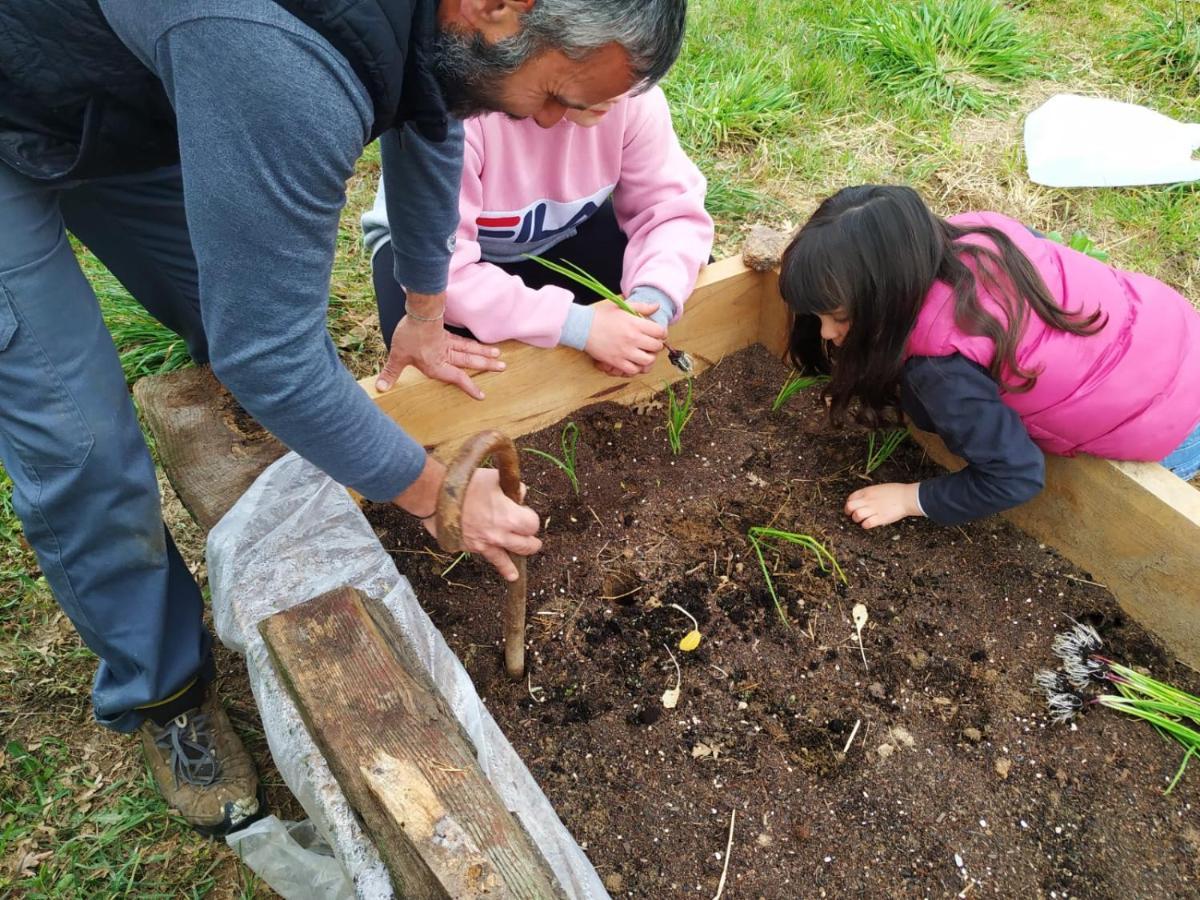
[(875, 251)]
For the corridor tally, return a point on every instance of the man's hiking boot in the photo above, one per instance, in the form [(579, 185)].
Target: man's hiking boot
[(202, 769)]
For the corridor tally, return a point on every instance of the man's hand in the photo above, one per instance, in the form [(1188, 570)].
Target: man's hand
[(883, 504), (492, 525), (622, 344), (421, 340)]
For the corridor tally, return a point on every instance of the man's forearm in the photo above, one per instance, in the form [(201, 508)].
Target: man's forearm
[(421, 183)]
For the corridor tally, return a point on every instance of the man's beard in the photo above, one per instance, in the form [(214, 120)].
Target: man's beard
[(471, 72)]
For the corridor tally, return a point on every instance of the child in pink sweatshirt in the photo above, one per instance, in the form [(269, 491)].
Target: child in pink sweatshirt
[(607, 188)]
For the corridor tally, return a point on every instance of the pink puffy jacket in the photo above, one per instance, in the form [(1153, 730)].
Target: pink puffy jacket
[(1131, 391)]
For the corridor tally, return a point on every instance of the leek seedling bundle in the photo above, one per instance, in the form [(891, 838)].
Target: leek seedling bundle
[(567, 269), (1085, 674)]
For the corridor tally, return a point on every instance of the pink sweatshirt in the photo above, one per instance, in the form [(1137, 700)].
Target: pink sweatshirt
[(1130, 391), (524, 188)]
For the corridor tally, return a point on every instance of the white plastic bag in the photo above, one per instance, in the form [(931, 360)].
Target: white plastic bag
[(296, 534), (292, 859), (1073, 141)]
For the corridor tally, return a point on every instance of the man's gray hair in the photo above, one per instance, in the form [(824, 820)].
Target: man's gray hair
[(650, 31), (471, 71)]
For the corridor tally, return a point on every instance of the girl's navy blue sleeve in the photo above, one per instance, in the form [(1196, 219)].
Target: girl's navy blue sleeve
[(959, 401)]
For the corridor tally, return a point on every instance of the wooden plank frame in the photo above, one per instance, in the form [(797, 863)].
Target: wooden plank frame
[(539, 386), (1134, 526), (400, 756)]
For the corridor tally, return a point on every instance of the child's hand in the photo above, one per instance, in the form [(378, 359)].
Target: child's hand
[(883, 504), (623, 344)]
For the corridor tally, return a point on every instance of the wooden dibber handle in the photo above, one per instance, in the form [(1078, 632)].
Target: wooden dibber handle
[(449, 527)]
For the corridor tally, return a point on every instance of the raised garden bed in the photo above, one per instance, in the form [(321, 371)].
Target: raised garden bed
[(953, 782), (954, 777)]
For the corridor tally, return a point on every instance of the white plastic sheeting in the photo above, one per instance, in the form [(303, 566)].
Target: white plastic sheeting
[(296, 534), (1073, 141), (292, 858)]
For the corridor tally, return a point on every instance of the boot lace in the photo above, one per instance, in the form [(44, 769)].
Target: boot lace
[(188, 739)]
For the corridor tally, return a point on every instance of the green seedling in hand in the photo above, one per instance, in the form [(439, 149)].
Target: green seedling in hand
[(567, 269)]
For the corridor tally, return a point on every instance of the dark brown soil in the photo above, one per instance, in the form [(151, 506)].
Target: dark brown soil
[(955, 782)]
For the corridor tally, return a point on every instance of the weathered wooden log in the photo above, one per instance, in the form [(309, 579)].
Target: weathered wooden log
[(210, 449), (399, 756)]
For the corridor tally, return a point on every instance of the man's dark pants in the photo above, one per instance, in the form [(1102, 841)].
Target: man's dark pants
[(84, 483)]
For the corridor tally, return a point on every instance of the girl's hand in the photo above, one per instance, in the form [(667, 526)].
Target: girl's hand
[(623, 343), (883, 504)]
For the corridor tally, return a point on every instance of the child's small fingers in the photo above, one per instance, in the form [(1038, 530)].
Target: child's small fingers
[(648, 340), (651, 328)]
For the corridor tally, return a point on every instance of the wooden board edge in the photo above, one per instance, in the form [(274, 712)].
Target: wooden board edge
[(775, 318), (542, 386), (428, 842)]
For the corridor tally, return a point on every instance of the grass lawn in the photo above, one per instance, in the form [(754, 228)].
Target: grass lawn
[(781, 102)]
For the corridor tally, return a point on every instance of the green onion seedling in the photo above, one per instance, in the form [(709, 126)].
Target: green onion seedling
[(679, 413), (796, 383), (759, 537), (569, 441), (881, 445), (679, 358)]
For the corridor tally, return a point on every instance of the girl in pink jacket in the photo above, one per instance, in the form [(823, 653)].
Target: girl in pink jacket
[(607, 188), (1003, 342)]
